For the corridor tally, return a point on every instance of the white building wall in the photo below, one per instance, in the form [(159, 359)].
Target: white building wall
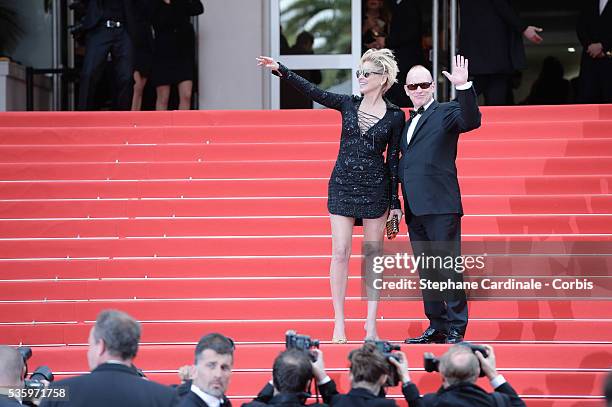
[(231, 34)]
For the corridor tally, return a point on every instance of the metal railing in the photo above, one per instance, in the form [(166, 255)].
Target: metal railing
[(66, 75)]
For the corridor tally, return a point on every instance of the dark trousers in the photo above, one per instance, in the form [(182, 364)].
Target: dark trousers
[(101, 41), (440, 235), (494, 87), (595, 80)]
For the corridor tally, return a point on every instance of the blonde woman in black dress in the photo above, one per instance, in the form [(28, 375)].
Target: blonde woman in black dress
[(363, 188)]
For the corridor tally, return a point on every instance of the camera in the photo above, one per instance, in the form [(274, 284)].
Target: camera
[(41, 373), (432, 363), (387, 348), (301, 342)]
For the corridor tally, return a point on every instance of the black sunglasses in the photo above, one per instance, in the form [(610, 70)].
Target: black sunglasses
[(365, 74), (422, 85)]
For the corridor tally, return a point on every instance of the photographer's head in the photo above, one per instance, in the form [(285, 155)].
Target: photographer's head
[(292, 371), (369, 368), (114, 337), (12, 368), (459, 364), (214, 360)]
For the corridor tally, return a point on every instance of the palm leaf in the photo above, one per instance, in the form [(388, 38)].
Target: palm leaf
[(10, 29)]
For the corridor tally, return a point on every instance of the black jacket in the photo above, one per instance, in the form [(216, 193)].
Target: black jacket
[(593, 27), (266, 397), (363, 398), (5, 401), (490, 36), (193, 400), (135, 12), (404, 38), (427, 166), (113, 385), (462, 395)]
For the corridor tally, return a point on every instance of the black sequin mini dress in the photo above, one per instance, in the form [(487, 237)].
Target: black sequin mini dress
[(362, 184)]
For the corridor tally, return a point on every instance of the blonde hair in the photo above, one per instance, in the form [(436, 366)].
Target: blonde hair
[(383, 58)]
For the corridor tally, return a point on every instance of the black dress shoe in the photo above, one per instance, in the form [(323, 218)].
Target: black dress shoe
[(429, 336), (454, 336)]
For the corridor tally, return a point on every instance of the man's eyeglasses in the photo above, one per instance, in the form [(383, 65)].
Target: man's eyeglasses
[(422, 85), (365, 74)]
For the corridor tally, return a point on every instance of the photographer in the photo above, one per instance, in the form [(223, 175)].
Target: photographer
[(12, 372), (292, 373), (369, 375), (460, 368)]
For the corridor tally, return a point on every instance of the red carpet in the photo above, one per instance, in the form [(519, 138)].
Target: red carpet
[(216, 221)]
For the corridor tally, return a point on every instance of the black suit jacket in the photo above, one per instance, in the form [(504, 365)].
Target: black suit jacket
[(490, 36), (113, 385), (461, 395), (405, 38), (5, 401), (266, 397), (136, 11), (427, 167), (193, 400), (364, 398), (593, 27)]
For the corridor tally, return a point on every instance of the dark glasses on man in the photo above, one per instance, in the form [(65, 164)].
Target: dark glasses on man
[(366, 74), (422, 85)]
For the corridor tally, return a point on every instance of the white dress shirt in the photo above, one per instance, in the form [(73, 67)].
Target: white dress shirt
[(415, 120), (602, 6), (212, 401)]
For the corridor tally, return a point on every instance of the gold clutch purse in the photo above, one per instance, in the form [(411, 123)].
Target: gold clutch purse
[(392, 227)]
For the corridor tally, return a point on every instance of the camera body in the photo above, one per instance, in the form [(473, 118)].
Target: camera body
[(301, 342), (41, 373), (387, 348), (432, 363)]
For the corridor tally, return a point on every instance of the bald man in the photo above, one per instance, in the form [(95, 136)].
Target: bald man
[(459, 370), (432, 200), (12, 371)]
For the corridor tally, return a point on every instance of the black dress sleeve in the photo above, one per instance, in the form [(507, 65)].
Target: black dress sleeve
[(191, 7), (327, 99), (393, 150)]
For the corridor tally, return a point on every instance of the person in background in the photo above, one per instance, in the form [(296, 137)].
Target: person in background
[(594, 30), (143, 55), (406, 42), (292, 98), (491, 37), (375, 26), (174, 53), (110, 27), (550, 88)]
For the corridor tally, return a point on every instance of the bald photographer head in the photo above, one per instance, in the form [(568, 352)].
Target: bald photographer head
[(460, 368), (12, 372), (460, 364)]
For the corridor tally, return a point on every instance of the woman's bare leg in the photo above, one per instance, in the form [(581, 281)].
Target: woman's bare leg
[(163, 95), (342, 236), (139, 85), (185, 89), (373, 233)]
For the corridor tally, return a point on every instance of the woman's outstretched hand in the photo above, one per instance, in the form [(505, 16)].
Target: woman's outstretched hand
[(267, 62)]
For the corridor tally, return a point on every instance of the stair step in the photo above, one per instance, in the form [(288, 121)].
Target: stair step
[(479, 330), (287, 309)]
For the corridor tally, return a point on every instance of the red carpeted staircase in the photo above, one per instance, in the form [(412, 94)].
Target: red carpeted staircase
[(216, 221)]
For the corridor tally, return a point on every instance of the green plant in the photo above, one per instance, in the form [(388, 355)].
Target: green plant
[(10, 30)]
